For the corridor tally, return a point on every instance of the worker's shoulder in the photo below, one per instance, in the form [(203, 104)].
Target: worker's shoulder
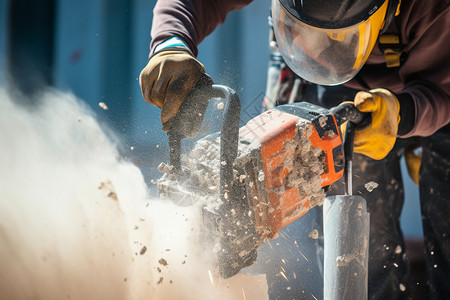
[(417, 9)]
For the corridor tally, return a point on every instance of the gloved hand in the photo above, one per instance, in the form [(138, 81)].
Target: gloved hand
[(167, 79), (378, 138), (413, 161)]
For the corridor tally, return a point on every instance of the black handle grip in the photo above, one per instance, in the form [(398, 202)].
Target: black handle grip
[(348, 112), (189, 118)]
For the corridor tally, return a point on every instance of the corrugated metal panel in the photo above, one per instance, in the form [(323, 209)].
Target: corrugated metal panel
[(78, 48), (4, 4)]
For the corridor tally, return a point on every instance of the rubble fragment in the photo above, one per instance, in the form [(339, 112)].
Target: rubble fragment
[(163, 262), (103, 105), (109, 187), (370, 186), (314, 234)]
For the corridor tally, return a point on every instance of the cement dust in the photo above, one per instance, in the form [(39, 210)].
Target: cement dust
[(76, 221)]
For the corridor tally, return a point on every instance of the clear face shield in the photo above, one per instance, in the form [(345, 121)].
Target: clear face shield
[(325, 56)]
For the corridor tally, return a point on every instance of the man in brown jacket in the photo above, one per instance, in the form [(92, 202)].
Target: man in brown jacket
[(393, 56)]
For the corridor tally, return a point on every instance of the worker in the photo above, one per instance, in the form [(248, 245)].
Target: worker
[(394, 55)]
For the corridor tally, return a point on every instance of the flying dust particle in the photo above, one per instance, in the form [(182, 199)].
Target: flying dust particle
[(284, 275), (314, 234), (211, 277), (103, 105)]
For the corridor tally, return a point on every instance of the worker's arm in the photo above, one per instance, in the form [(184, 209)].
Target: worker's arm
[(172, 70), (418, 100), (190, 20), (426, 71)]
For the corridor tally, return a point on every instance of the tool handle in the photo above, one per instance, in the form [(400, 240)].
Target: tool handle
[(189, 118), (348, 157), (188, 121), (346, 111)]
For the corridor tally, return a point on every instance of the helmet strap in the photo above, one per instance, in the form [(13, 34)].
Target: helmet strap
[(392, 11)]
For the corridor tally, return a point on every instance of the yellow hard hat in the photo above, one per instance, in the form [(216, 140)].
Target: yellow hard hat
[(328, 42)]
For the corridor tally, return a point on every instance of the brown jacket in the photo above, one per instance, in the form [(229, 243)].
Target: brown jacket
[(422, 80)]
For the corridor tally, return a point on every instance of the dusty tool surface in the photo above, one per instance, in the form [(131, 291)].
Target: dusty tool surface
[(284, 159)]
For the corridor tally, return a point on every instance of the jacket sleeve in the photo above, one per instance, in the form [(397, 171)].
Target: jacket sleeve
[(190, 20), (426, 72)]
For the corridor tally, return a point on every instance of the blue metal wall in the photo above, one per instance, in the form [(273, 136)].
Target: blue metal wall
[(3, 33), (101, 46)]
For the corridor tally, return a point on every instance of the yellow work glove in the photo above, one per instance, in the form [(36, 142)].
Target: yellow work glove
[(377, 139), (413, 161), (167, 79)]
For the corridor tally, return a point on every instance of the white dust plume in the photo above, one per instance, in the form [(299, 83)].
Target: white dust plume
[(76, 221)]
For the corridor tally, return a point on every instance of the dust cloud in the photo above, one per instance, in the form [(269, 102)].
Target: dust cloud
[(76, 220)]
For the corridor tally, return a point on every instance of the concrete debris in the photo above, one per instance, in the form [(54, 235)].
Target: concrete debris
[(307, 166), (103, 105), (163, 262), (109, 187), (261, 175), (314, 234), (370, 186)]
